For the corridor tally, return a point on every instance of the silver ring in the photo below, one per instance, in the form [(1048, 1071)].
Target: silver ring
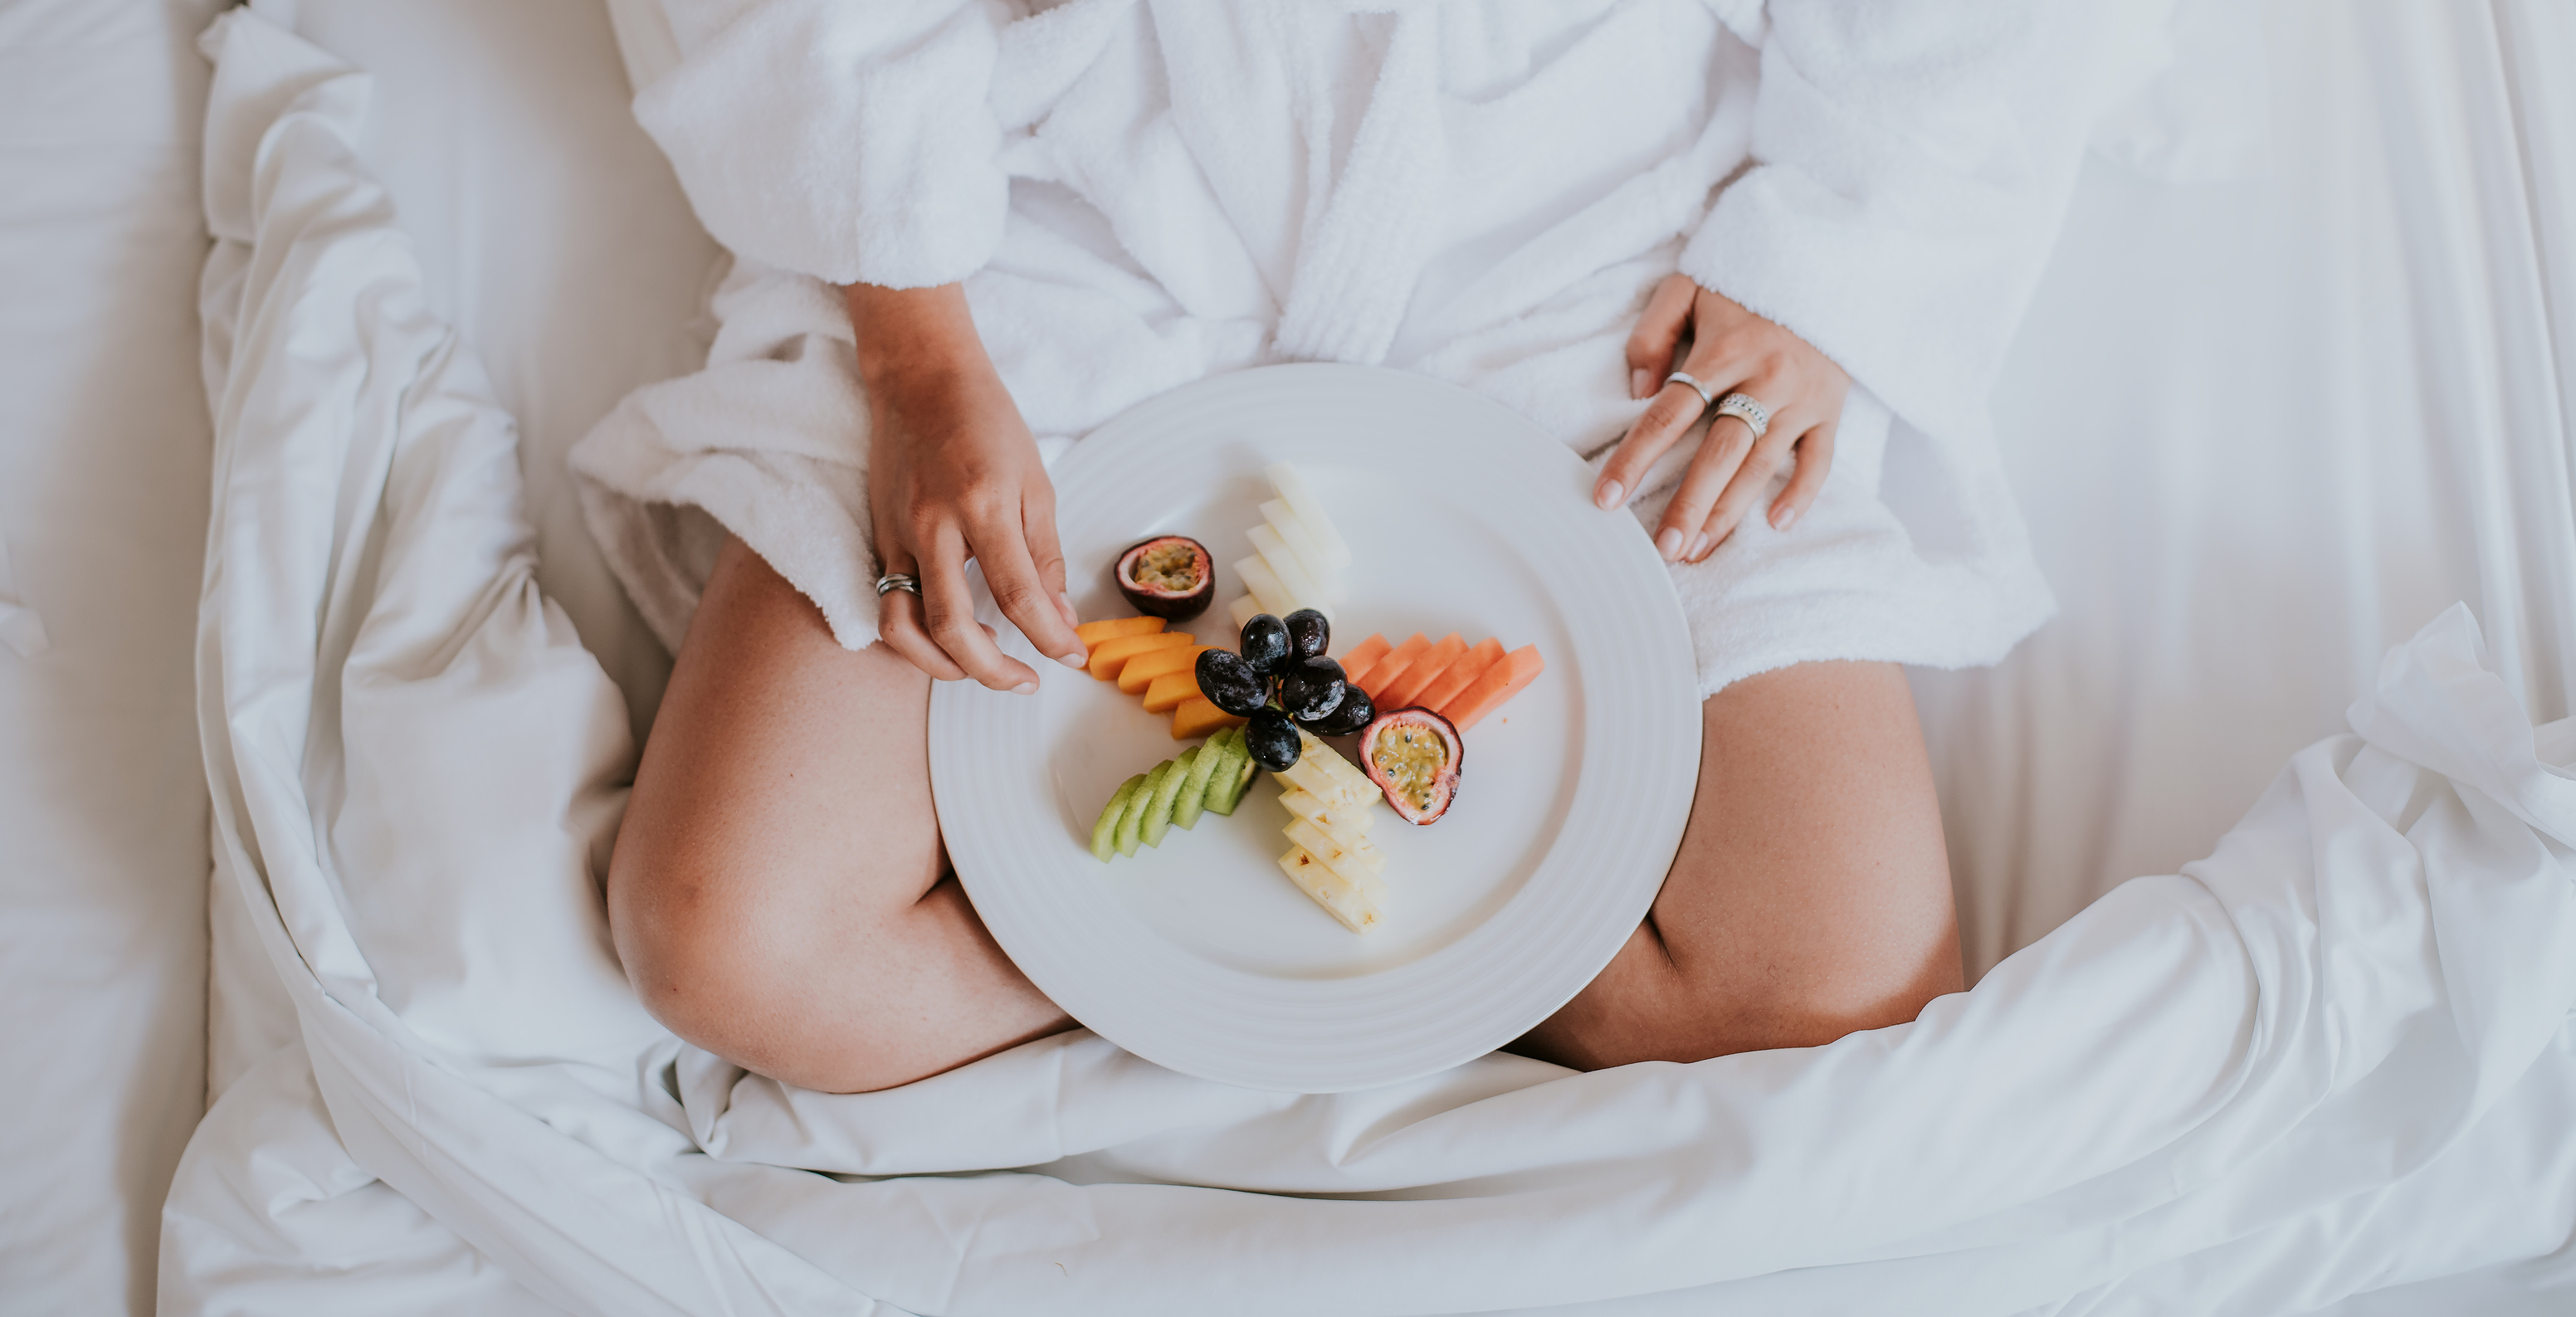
[(897, 581), (1742, 407), (1707, 396)]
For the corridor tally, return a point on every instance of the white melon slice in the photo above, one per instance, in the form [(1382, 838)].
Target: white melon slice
[(1359, 861), (1244, 608), (1284, 565), (1340, 897), (1310, 555), (1265, 587), (1300, 497), (1342, 823)]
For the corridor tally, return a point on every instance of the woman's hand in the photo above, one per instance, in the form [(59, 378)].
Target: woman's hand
[(953, 474), (1732, 351)]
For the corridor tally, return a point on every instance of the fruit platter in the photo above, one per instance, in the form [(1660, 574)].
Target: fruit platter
[(1385, 742)]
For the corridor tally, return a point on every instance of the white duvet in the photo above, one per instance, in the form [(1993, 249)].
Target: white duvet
[(2331, 1057)]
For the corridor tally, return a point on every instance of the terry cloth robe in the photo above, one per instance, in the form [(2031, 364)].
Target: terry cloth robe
[(1141, 193)]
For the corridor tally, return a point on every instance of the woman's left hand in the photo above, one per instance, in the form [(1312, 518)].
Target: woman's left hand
[(1732, 351)]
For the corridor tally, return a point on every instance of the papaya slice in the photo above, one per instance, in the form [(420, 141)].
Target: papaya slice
[(1092, 633), (1141, 670), (1169, 691), (1111, 655), (1387, 669), (1501, 682), (1469, 666), (1196, 717), (1364, 656), (1418, 676)]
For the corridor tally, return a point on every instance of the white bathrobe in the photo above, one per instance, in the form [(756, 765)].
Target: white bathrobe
[(1141, 193)]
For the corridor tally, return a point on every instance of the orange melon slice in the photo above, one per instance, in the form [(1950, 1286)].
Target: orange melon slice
[(1141, 670), (1502, 681), (1418, 676), (1196, 717), (1364, 656), (1109, 656), (1392, 666), (1092, 633), (1469, 666), (1168, 691)]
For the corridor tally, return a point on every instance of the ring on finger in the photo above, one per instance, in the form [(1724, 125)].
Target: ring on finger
[(1707, 395), (898, 581), (1742, 407)]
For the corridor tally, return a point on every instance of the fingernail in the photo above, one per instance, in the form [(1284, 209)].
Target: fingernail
[(1065, 602), (1669, 544), (1025, 688), (1638, 383), (1607, 497), (1699, 545), (1784, 518), (1075, 659)]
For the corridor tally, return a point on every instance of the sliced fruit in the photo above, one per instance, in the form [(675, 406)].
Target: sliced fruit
[(1340, 897), (1399, 692), (1167, 576), (1501, 682), (1358, 861), (1413, 756), (1386, 670), (1363, 656), (1187, 806), (1300, 498), (1158, 811), (1309, 775), (1283, 564), (1141, 670), (1301, 542), (1232, 777), (1133, 818), (1342, 823), (1265, 586), (1110, 656), (1454, 678), (1104, 834), (1196, 717), (1111, 628), (1170, 691), (1244, 610)]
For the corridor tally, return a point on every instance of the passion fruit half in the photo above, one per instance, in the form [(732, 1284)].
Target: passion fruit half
[(1168, 576), (1413, 756)]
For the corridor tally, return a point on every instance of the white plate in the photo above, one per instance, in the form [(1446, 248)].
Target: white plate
[(1200, 955)]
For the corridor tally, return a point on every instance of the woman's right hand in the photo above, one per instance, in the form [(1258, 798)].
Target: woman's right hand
[(953, 475)]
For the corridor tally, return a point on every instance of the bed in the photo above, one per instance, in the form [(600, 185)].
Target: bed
[(2312, 423)]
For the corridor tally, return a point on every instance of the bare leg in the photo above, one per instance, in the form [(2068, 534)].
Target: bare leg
[(779, 893), (1811, 896)]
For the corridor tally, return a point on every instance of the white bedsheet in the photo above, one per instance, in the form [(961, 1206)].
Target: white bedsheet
[(422, 1089), (103, 446)]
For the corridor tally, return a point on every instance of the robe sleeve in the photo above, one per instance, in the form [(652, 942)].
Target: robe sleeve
[(850, 141), (1911, 163)]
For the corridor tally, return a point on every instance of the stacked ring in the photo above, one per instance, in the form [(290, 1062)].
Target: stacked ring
[(897, 581), (1742, 407)]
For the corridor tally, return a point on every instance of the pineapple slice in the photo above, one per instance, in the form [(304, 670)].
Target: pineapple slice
[(1359, 861), (1340, 897), (1309, 775), (1342, 823)]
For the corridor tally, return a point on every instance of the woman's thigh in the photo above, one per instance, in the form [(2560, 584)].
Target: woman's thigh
[(1811, 894), (779, 893)]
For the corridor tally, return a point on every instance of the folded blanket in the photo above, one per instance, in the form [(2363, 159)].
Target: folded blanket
[(2333, 1056), (1141, 194)]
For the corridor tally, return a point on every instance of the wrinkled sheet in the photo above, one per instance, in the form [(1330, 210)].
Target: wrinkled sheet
[(2327, 1058)]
